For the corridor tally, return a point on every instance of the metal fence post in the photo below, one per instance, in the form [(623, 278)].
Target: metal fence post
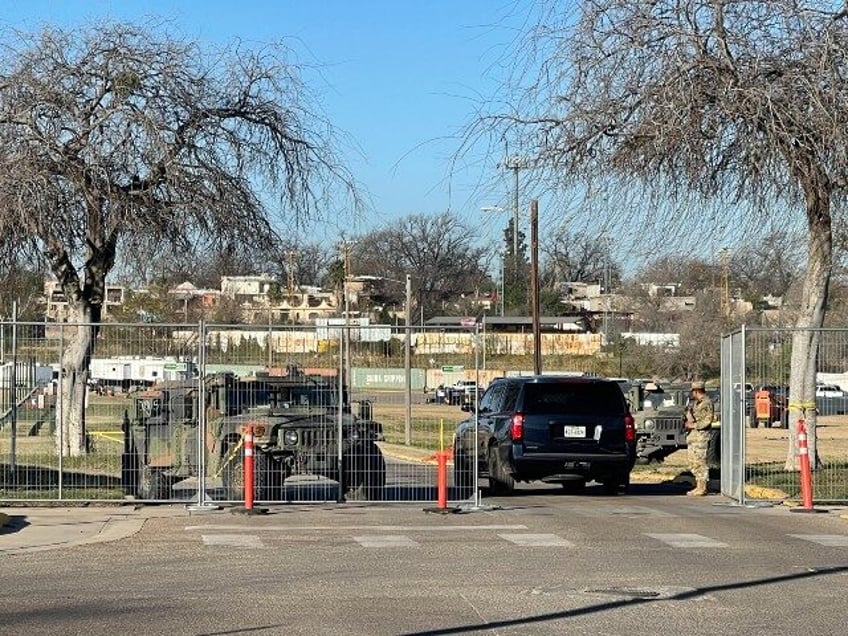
[(60, 406), (742, 423), (202, 497), (13, 391), (340, 421)]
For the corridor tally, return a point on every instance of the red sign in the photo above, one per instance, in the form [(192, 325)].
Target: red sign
[(468, 322)]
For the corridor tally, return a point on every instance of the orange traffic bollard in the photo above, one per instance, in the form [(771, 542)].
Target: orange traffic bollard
[(806, 471), (248, 468), (442, 479), (442, 458), (804, 464)]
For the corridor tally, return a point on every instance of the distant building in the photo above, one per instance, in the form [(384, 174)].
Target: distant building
[(194, 298), (248, 290), (261, 298), (663, 340), (56, 305)]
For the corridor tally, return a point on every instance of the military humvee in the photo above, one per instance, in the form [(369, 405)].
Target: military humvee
[(659, 415), (295, 420)]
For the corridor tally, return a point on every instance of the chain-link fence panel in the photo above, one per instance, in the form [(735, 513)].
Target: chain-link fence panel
[(159, 412), (69, 392), (769, 440)]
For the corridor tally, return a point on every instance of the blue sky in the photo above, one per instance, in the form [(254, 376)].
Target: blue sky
[(399, 77)]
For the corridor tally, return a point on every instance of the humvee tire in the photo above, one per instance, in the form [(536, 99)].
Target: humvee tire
[(153, 484), (233, 477)]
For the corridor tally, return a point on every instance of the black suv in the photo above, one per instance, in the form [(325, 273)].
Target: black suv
[(561, 429)]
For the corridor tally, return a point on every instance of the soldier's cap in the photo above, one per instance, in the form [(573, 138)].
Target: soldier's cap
[(698, 386)]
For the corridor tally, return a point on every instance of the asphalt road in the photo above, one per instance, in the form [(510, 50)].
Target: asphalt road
[(540, 562)]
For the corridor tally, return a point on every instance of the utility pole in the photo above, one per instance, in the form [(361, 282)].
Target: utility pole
[(725, 283), (344, 341), (515, 163), (290, 277), (406, 363), (534, 286), (605, 245), (503, 282)]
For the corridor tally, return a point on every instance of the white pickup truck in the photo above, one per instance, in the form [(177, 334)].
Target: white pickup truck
[(829, 390), (462, 392)]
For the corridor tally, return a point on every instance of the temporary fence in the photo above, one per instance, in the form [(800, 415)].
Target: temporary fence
[(360, 412), (759, 436)]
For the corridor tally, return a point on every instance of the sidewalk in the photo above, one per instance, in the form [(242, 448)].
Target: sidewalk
[(33, 529)]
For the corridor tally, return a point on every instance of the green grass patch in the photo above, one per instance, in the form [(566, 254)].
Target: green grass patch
[(830, 482)]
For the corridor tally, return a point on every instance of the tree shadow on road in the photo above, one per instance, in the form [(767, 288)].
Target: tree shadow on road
[(630, 599)]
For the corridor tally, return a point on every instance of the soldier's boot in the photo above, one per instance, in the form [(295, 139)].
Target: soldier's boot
[(699, 490)]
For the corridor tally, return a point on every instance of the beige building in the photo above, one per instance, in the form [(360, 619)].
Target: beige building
[(56, 305)]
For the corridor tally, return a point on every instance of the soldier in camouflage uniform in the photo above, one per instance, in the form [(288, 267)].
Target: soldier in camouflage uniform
[(699, 420)]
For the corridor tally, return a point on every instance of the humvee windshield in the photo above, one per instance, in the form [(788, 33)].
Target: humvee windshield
[(287, 397)]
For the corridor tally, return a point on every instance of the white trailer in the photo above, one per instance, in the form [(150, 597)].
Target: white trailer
[(127, 371)]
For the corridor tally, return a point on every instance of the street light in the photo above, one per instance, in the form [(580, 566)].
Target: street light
[(497, 208)]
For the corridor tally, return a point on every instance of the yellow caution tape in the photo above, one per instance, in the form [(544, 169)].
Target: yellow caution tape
[(802, 405), (230, 455), (112, 436)]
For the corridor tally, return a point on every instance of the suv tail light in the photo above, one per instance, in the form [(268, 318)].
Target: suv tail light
[(629, 428), (516, 431)]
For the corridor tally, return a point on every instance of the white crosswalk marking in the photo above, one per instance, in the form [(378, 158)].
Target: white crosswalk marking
[(829, 540), (537, 540), (386, 541), (233, 540), (359, 528), (687, 540)]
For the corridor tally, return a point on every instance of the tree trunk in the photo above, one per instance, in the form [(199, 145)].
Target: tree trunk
[(71, 434), (805, 340)]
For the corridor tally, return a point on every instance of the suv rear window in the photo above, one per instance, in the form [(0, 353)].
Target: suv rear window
[(579, 399)]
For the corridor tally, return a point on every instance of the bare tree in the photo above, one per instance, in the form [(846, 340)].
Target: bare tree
[(765, 266), (737, 107), (688, 274), (22, 284), (580, 256), (436, 250), (115, 137)]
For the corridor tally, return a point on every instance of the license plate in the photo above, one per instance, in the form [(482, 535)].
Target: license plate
[(574, 431)]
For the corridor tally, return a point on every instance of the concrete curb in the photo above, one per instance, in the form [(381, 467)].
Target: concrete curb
[(4, 519)]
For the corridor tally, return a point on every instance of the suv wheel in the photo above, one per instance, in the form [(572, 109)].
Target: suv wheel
[(500, 481), (615, 485)]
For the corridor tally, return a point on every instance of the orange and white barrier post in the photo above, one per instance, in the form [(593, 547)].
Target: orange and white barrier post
[(248, 468), (442, 479), (442, 456), (804, 464)]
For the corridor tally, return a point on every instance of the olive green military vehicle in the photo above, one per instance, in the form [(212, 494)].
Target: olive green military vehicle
[(659, 414), (295, 421)]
